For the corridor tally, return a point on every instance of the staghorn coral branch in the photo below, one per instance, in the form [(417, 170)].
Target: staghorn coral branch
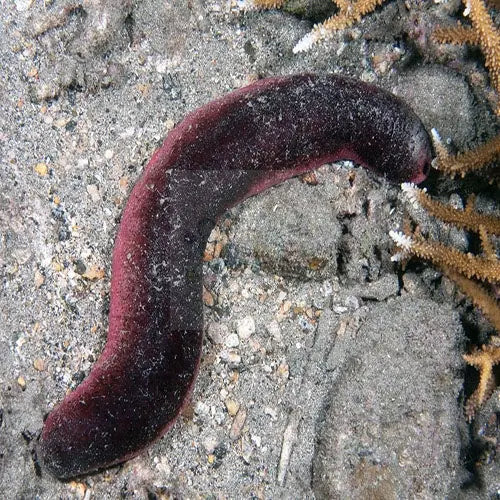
[(323, 31), (442, 153), (360, 8), (489, 355), (469, 161), (489, 37), (350, 12), (478, 295), (460, 268), (483, 33), (468, 219), (471, 266), (457, 35), (486, 244), (484, 360), (342, 4), (268, 4), (470, 203)]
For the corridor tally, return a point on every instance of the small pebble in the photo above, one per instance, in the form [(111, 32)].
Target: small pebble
[(210, 443), (271, 412), (256, 440), (219, 417), (232, 340), (62, 122), (216, 332), (230, 357), (201, 409), (94, 273), (94, 193), (123, 184), (352, 302), (79, 488), (41, 169), (208, 298), (245, 327), (246, 450), (238, 423), (339, 309), (21, 382), (283, 371), (39, 364), (274, 329), (232, 407), (39, 279)]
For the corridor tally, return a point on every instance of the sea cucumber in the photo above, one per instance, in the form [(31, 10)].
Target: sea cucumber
[(220, 154)]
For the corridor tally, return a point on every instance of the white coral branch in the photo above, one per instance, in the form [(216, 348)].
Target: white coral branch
[(402, 240), (412, 193), (306, 42)]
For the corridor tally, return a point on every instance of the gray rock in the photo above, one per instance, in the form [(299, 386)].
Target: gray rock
[(290, 231), (443, 100), (390, 427)]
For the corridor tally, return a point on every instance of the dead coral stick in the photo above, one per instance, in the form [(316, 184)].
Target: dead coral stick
[(289, 438)]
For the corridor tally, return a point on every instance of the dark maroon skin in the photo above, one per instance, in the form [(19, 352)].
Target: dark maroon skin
[(217, 156)]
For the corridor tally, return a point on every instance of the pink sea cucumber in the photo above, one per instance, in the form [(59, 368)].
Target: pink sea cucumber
[(218, 155)]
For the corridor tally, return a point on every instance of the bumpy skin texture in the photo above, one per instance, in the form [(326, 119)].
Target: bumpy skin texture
[(217, 156)]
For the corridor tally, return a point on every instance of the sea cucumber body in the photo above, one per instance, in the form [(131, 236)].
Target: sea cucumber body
[(217, 156)]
